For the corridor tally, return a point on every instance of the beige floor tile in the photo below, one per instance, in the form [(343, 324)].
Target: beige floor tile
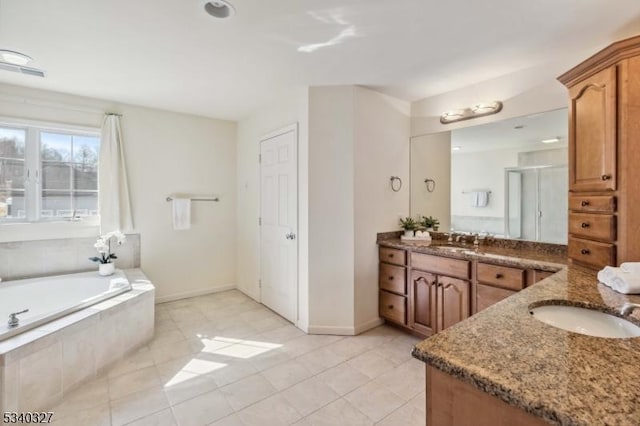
[(420, 401), (136, 361), (199, 363), (269, 359), (310, 395), (234, 371), (184, 386), (340, 412), (99, 415), (138, 405), (348, 347), (247, 391), (407, 415), (135, 381), (406, 380), (371, 364), (232, 420), (87, 396), (273, 411), (375, 401), (281, 334), (286, 375), (171, 351), (343, 378), (320, 360), (202, 410), (161, 418)]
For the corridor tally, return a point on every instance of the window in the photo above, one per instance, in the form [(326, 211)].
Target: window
[(47, 174)]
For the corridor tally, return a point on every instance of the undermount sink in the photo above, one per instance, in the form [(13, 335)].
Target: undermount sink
[(585, 321), (454, 248)]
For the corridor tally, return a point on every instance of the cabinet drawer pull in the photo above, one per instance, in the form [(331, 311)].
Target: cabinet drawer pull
[(606, 177), (585, 251), (584, 203), (585, 225), (390, 254), (390, 306), (499, 275), (390, 277)]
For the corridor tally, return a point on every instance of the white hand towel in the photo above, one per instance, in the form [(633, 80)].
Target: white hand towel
[(181, 213), (631, 267), (620, 281), (479, 198)]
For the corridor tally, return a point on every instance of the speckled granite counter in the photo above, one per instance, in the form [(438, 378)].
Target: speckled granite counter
[(535, 258), (562, 377)]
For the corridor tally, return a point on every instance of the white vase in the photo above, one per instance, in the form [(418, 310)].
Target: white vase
[(408, 233), (106, 269)]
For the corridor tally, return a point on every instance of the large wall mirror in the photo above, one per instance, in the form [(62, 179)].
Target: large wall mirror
[(508, 178)]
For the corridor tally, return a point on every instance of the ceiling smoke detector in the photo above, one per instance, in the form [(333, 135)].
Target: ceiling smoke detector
[(220, 9)]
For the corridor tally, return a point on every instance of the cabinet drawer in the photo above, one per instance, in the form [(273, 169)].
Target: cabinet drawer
[(501, 276), (593, 203), (393, 307), (395, 256), (487, 296), (593, 226), (440, 265), (538, 275), (591, 252), (393, 278)]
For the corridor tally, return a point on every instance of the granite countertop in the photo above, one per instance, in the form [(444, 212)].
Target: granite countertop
[(563, 377), (535, 256)]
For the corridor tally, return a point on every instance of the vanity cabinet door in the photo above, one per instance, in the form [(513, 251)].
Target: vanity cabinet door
[(453, 301), (593, 133), (422, 316)]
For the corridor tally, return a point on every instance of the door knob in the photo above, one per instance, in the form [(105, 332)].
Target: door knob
[(290, 236), (606, 177)]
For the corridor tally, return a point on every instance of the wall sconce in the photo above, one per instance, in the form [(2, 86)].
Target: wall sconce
[(479, 110)]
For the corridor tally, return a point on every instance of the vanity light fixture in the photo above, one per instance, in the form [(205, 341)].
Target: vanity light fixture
[(552, 140), (478, 110), (219, 9)]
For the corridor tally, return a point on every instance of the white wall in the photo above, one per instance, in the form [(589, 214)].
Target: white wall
[(431, 158), (381, 150), (291, 108), (166, 152)]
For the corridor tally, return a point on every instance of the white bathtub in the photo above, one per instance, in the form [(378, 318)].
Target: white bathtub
[(50, 298)]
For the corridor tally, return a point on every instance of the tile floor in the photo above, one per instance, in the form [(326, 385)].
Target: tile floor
[(224, 359)]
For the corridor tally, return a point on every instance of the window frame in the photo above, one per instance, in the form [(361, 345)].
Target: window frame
[(33, 221)]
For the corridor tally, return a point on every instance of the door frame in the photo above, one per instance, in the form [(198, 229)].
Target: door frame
[(290, 128)]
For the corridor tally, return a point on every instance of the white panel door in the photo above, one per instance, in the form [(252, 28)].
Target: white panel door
[(279, 216)]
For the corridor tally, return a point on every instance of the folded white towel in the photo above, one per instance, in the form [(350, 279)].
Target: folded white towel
[(181, 213), (631, 267), (619, 280), (479, 198)]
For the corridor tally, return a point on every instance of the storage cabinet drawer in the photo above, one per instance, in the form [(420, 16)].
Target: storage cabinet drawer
[(593, 203), (593, 226), (538, 275), (487, 296), (440, 265), (393, 278), (591, 252), (393, 307), (501, 276), (395, 256)]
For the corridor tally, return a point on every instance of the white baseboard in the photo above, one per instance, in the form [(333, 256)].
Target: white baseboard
[(194, 293), (255, 297), (328, 329), (366, 326)]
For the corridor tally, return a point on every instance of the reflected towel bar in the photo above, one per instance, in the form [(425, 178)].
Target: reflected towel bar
[(216, 199), (470, 192)]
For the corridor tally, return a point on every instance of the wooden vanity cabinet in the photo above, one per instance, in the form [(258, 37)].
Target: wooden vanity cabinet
[(604, 151), (392, 284)]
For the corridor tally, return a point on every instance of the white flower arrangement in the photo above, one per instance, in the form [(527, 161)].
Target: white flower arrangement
[(103, 246)]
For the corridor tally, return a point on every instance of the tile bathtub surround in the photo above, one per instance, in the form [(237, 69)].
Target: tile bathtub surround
[(223, 359), (42, 366), (563, 377), (30, 259)]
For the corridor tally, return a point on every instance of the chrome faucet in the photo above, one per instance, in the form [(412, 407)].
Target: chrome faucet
[(628, 307), (13, 318)]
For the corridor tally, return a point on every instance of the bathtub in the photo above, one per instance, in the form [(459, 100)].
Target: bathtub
[(77, 327), (50, 298)]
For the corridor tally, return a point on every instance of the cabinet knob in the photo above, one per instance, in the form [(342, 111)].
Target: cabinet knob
[(390, 277), (585, 225), (585, 251), (584, 203), (606, 177), (390, 306), (499, 275), (390, 254)]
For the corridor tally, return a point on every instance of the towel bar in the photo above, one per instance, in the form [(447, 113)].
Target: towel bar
[(216, 199)]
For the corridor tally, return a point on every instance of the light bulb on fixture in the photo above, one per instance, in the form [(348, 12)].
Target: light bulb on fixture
[(478, 110), (14, 58), (453, 115), (552, 140), (485, 107)]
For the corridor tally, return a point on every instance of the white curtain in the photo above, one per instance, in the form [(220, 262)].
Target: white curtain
[(115, 206)]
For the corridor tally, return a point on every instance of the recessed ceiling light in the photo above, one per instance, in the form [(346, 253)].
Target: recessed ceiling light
[(552, 140), (219, 9), (15, 58), (456, 148)]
